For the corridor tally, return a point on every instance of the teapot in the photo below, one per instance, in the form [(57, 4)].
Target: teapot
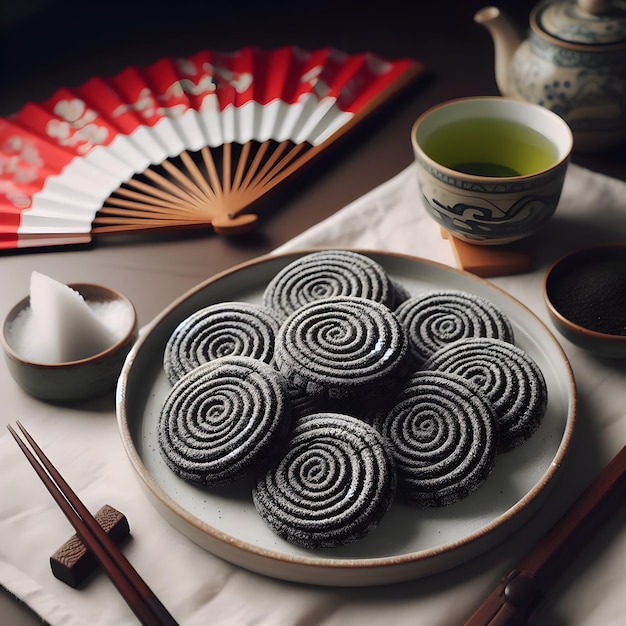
[(573, 63)]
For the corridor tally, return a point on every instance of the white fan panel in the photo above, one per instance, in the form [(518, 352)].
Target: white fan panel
[(105, 159), (210, 122), (247, 127), (60, 227), (271, 117), (85, 176), (166, 134), (332, 122), (307, 130), (49, 216), (189, 130), (43, 207), (56, 188), (229, 124), (127, 152), (296, 116), (145, 141)]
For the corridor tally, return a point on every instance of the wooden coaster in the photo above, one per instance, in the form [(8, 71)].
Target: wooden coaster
[(486, 261)]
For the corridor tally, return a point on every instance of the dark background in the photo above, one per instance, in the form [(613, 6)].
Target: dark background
[(46, 44), (47, 41)]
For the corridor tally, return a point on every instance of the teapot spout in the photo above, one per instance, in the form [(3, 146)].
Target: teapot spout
[(506, 40)]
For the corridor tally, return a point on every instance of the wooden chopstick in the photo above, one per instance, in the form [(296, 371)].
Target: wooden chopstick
[(140, 598), (516, 599)]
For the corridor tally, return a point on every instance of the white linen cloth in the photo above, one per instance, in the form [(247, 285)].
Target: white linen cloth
[(200, 589)]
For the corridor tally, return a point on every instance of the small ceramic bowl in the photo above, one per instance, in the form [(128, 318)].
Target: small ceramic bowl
[(491, 169), (73, 380), (585, 292)]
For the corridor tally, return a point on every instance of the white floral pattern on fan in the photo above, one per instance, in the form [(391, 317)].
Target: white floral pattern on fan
[(180, 143)]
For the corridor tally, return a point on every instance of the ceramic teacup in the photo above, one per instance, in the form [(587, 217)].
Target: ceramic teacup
[(491, 169)]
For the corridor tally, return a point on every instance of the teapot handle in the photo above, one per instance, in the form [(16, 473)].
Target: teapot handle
[(593, 7)]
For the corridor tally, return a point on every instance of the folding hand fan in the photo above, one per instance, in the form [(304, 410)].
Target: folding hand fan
[(180, 143)]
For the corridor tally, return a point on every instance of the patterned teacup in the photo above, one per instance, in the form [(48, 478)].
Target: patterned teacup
[(491, 169)]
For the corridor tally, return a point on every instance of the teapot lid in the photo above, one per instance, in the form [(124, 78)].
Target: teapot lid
[(593, 22)]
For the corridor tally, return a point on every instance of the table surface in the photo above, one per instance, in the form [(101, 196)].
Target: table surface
[(54, 44)]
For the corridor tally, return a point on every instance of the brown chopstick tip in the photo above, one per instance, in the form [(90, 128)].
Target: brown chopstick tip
[(73, 563)]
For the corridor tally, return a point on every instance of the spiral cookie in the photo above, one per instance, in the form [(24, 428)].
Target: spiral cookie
[(443, 437), (326, 274), (507, 376), (342, 347), (437, 318), (222, 419), (332, 486), (224, 329)]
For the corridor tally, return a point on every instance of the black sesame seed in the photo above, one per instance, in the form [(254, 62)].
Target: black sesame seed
[(594, 296)]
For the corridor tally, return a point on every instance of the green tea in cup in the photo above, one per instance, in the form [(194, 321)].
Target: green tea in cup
[(485, 146)]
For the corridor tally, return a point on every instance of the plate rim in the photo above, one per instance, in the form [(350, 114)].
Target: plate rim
[(172, 511)]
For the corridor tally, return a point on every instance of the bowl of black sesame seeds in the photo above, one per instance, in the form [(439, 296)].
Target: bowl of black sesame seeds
[(585, 292)]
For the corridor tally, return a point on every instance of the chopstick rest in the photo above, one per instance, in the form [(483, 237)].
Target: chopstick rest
[(72, 563)]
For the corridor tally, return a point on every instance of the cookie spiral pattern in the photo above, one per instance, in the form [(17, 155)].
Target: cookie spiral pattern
[(435, 319), (341, 347), (507, 376), (332, 486), (326, 274), (221, 420), (443, 438), (224, 329)]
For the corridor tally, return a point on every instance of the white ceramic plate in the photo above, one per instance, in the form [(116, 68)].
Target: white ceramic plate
[(409, 542)]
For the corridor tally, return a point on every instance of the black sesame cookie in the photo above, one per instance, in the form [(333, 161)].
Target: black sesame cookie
[(342, 348), (223, 419), (223, 329), (325, 274), (507, 376), (332, 486), (436, 318), (443, 437)]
